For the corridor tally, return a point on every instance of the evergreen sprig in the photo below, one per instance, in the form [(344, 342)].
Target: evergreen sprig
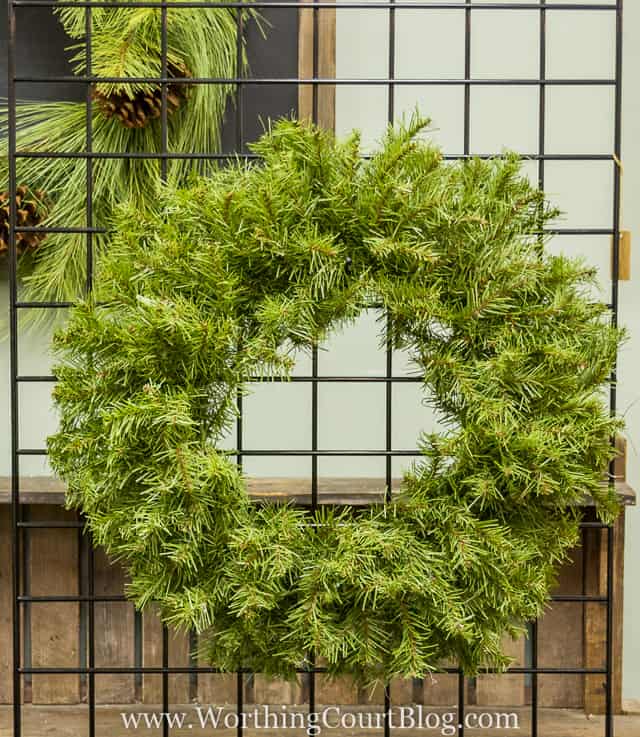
[(218, 282), (126, 42)]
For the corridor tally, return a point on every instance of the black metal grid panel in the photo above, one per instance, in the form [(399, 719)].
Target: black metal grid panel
[(21, 526)]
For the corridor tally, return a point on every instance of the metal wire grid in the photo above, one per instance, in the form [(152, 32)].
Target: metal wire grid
[(20, 526)]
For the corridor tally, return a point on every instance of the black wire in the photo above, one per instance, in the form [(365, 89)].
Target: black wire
[(20, 526)]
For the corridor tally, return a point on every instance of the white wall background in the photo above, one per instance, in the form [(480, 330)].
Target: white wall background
[(629, 390), (579, 120)]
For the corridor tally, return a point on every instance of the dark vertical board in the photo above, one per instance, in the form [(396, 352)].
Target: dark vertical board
[(561, 639), (216, 688), (40, 50), (6, 636), (273, 55), (618, 608), (500, 689), (403, 691), (275, 691), (325, 48), (440, 689), (595, 619), (330, 691), (114, 634), (152, 656), (55, 626)]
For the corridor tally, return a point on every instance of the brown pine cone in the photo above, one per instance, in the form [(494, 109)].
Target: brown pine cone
[(139, 110), (30, 212)]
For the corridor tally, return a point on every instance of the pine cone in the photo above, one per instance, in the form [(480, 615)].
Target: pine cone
[(139, 110), (30, 211)]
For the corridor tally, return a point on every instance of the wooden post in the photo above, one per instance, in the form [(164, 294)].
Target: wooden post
[(326, 65)]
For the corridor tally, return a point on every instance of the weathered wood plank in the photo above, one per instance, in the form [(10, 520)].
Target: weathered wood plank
[(561, 639), (595, 619), (337, 691), (624, 256), (503, 689), (276, 691), (555, 627), (55, 626), (218, 688), (441, 689), (329, 691), (152, 656), (401, 691), (6, 608), (618, 610), (326, 65), (335, 490), (114, 633)]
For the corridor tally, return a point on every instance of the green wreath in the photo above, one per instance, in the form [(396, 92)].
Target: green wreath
[(231, 274)]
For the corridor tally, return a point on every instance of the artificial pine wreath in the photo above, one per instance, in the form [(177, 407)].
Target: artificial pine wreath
[(231, 274)]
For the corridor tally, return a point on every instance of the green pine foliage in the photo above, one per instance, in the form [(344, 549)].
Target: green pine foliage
[(126, 42), (221, 281)]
